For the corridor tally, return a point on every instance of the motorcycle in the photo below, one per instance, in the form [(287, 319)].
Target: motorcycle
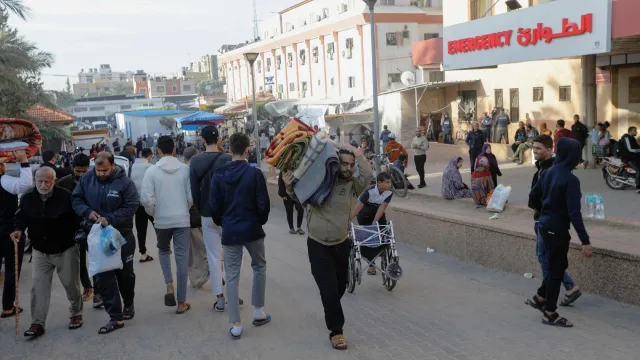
[(617, 174)]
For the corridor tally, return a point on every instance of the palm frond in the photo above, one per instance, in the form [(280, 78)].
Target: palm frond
[(16, 7)]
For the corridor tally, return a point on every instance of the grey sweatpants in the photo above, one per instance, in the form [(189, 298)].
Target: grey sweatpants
[(181, 237), (232, 265), (67, 265)]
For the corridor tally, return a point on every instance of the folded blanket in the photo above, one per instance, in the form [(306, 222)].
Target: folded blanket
[(292, 155), (288, 140), (18, 130), (315, 148), (331, 177), (315, 175), (279, 141)]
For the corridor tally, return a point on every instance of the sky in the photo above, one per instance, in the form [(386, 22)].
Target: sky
[(157, 36)]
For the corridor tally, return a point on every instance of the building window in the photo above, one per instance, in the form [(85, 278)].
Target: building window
[(538, 94), (480, 8), (564, 93), (80, 109), (388, 2), (160, 89), (290, 59), (303, 56), (318, 82), (174, 88), (392, 39), (304, 89), (186, 88), (331, 49), (142, 91), (634, 89), (278, 61), (96, 108), (292, 86), (125, 107), (499, 101), (280, 88), (436, 76), (349, 48), (428, 36), (352, 82), (332, 82), (394, 78)]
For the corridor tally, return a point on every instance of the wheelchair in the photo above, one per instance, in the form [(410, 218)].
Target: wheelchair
[(374, 236)]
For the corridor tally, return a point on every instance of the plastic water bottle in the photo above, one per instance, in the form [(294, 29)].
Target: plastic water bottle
[(590, 205), (599, 207)]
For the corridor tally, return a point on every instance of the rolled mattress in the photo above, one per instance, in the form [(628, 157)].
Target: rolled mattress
[(18, 134)]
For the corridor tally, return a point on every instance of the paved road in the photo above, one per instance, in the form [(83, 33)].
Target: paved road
[(440, 310)]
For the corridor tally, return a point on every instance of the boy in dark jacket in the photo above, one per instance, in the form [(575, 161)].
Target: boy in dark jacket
[(557, 194), (239, 203)]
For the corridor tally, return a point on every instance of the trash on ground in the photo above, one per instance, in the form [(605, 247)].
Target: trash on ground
[(494, 217), (430, 250), (528, 275)]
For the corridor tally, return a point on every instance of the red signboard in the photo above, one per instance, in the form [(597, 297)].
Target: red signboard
[(603, 76), (525, 36)]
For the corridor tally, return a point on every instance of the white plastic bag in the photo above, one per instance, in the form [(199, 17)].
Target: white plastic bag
[(99, 262), (499, 198)]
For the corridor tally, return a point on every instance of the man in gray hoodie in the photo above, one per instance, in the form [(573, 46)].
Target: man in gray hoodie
[(138, 170)]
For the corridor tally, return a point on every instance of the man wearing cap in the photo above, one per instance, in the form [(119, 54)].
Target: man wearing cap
[(202, 168)]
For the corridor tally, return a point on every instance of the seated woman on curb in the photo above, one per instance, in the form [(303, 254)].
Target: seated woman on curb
[(452, 185), (371, 206)]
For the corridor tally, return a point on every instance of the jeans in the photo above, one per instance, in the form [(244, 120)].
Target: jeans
[(500, 133), (543, 259), (330, 269), (519, 153), (85, 279), (557, 248), (67, 265), (111, 284), (232, 265), (7, 252), (141, 220), (447, 137), (289, 204), (420, 160), (181, 242), (213, 243), (486, 130)]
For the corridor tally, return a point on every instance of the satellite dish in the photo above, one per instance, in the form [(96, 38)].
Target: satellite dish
[(408, 78)]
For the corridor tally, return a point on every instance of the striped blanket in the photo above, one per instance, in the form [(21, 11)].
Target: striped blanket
[(15, 133)]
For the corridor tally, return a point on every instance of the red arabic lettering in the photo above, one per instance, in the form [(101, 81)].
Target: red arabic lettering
[(483, 42)]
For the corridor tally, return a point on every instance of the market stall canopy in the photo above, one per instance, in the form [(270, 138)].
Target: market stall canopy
[(229, 108), (201, 118)]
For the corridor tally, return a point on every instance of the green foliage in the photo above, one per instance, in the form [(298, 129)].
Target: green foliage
[(16, 7), (168, 123)]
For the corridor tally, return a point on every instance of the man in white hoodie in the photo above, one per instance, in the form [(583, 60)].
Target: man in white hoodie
[(166, 195), (142, 219)]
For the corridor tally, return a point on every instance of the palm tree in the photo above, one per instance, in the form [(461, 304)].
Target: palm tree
[(16, 7)]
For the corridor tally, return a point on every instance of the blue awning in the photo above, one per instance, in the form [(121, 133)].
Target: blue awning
[(201, 118)]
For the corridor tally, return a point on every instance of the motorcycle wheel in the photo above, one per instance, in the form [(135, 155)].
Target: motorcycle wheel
[(613, 184)]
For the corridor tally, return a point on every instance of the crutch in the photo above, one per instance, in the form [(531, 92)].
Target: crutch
[(17, 309)]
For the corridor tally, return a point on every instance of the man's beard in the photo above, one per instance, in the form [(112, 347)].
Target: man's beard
[(346, 175), (44, 193)]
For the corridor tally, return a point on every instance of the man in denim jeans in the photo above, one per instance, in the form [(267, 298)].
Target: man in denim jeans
[(542, 152)]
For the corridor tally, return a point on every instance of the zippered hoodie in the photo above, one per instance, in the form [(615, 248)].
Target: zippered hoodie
[(559, 191), (115, 198), (166, 194), (239, 202)]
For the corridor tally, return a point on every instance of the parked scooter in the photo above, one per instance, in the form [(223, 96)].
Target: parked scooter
[(617, 174)]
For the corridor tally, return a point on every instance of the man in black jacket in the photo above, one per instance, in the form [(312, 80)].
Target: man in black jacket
[(475, 140), (47, 213), (542, 149), (49, 160), (630, 152), (106, 195), (557, 195)]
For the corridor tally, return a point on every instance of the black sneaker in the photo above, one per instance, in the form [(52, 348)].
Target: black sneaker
[(292, 231), (300, 232), (422, 186)]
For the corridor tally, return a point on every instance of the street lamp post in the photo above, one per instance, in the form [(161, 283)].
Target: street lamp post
[(376, 119), (251, 58)]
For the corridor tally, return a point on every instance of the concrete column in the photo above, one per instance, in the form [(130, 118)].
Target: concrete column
[(589, 102)]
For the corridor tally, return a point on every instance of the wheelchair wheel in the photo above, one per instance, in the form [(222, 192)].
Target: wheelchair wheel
[(385, 260), (358, 268), (352, 275)]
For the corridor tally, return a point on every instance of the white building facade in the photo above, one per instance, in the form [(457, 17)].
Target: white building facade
[(96, 109), (321, 49)]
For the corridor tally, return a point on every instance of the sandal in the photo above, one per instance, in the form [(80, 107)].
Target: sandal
[(110, 327), (147, 259), (556, 320), (170, 299), (87, 295), (12, 313), (128, 312), (76, 322), (260, 322), (34, 331), (180, 312), (338, 342), (535, 303), (371, 271), (568, 300), (234, 337)]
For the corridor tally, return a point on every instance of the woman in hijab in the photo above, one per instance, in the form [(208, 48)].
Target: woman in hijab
[(493, 163), (452, 185), (481, 182)]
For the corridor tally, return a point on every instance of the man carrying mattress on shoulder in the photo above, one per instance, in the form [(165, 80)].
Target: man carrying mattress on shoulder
[(328, 227)]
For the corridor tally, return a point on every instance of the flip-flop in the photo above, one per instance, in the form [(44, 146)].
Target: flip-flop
[(149, 258), (12, 313), (568, 300), (180, 312), (170, 299), (234, 337), (260, 322), (110, 327)]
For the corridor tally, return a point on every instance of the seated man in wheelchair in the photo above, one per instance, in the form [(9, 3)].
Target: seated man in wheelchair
[(371, 207), (399, 163)]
